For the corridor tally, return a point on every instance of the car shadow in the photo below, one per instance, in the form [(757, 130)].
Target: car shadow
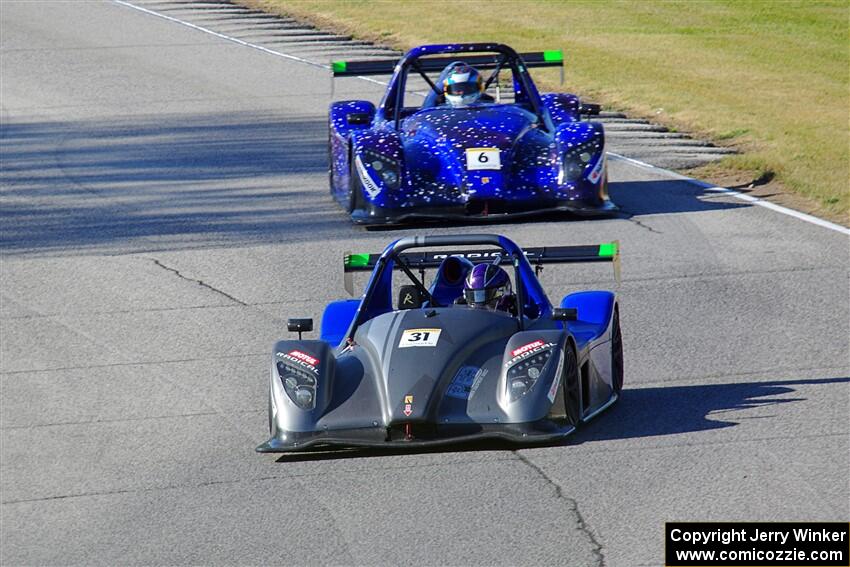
[(634, 198), (175, 182), (642, 412), (669, 196), (206, 179), (670, 410)]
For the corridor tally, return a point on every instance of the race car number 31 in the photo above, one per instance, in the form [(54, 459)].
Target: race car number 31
[(482, 158), (419, 337)]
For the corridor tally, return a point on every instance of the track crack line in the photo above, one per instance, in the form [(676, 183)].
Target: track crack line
[(644, 225), (573, 504), (631, 218), (199, 282)]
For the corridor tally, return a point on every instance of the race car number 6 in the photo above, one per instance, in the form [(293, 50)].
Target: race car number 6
[(483, 158), (419, 338)]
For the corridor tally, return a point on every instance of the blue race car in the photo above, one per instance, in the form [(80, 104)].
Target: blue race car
[(469, 147)]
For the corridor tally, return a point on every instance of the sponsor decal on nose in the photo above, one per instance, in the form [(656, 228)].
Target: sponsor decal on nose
[(305, 357), (527, 347)]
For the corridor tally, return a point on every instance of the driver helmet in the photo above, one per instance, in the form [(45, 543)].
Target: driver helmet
[(487, 285), (463, 85)]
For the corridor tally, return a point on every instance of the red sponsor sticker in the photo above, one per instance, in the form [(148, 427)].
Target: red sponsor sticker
[(304, 357), (526, 348)]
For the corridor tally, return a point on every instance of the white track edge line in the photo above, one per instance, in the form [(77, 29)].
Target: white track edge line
[(726, 191), (738, 195), (234, 39)]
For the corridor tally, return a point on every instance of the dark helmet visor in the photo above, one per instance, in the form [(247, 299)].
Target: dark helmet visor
[(461, 89), (482, 296)]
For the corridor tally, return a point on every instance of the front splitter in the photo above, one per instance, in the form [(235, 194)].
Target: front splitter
[(544, 431), (361, 217)]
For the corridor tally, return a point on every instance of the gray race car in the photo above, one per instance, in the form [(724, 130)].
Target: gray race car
[(428, 369)]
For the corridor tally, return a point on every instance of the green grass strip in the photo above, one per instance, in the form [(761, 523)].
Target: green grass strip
[(770, 78)]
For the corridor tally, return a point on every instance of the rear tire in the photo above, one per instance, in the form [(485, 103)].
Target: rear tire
[(331, 166), (572, 391), (616, 354)]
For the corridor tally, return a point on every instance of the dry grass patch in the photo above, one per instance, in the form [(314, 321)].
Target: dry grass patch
[(771, 78)]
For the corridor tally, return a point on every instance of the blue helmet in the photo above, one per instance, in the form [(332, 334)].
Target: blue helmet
[(463, 85), (487, 285)]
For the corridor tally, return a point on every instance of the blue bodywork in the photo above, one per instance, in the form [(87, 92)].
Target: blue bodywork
[(595, 309), (407, 159), (336, 319)]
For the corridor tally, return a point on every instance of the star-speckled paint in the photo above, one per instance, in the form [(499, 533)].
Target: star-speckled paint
[(428, 159)]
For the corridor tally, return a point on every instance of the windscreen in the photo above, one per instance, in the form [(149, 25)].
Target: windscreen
[(419, 92)]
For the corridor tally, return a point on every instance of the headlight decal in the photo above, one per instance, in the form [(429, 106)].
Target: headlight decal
[(577, 159), (298, 372), (526, 366), (384, 170)]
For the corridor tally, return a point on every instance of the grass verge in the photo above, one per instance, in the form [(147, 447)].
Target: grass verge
[(769, 78)]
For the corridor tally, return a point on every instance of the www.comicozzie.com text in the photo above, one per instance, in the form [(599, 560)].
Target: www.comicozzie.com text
[(743, 534)]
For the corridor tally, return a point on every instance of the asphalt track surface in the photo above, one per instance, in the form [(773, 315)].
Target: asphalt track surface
[(164, 209)]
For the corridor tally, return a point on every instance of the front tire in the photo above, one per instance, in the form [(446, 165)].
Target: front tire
[(355, 190), (572, 389), (331, 167), (616, 354)]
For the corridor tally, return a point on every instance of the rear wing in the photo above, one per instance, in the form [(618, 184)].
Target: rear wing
[(552, 58), (537, 257)]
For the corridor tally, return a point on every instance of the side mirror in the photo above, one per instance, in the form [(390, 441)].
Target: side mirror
[(564, 314), (349, 115), (590, 108), (299, 326), (358, 118)]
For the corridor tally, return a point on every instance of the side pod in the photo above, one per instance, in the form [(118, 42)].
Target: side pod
[(595, 309), (336, 320)]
